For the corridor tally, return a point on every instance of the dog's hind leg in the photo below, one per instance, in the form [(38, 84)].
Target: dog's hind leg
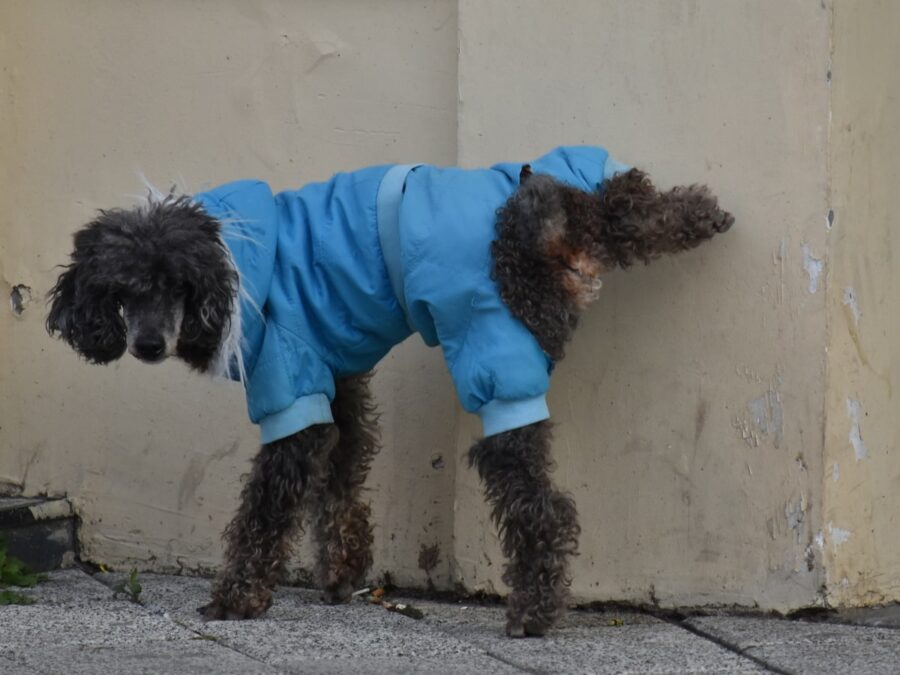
[(538, 525), (340, 518), (258, 539)]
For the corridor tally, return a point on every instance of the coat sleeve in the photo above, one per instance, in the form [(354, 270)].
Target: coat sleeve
[(290, 387), (499, 369)]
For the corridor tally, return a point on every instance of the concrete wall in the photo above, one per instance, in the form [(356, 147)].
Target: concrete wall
[(862, 471), (690, 405), (696, 426), (202, 93)]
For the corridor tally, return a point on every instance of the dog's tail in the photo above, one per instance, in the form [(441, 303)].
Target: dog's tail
[(554, 242), (636, 223), (574, 236)]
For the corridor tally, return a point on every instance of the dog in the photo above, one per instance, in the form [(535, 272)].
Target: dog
[(299, 294)]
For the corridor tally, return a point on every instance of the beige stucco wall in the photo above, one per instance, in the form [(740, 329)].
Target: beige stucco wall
[(202, 93), (696, 426), (862, 461), (690, 405)]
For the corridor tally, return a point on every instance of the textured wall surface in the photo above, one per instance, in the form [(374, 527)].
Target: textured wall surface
[(202, 93), (690, 405), (726, 419), (862, 471)]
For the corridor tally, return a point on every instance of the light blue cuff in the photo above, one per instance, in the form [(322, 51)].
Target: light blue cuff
[(498, 415), (302, 413), (612, 167)]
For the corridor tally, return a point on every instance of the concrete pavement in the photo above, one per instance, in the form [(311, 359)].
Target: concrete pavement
[(75, 626)]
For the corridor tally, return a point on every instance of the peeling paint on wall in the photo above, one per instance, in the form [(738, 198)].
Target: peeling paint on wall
[(838, 536), (851, 302), (859, 447), (19, 298), (835, 472), (794, 514), (778, 258), (813, 267), (750, 437), (767, 416)]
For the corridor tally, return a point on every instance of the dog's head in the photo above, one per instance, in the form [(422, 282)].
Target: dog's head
[(155, 280)]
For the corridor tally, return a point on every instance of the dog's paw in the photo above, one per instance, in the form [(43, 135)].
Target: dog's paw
[(337, 594), (523, 629)]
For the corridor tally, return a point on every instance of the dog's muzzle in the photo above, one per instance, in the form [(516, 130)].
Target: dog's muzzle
[(150, 349)]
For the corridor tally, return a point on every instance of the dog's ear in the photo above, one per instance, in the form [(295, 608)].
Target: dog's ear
[(212, 289), (83, 310)]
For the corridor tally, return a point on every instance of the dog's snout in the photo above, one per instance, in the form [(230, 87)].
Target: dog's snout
[(150, 347)]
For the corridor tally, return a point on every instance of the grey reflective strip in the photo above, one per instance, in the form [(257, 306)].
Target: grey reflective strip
[(387, 210)]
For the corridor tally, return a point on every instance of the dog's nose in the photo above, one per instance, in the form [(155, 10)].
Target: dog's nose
[(150, 348)]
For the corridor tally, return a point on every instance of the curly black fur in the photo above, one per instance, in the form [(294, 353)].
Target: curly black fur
[(340, 518), (538, 524), (84, 311), (553, 241), (319, 471), (167, 249), (258, 539)]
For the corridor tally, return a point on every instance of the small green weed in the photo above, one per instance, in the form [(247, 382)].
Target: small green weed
[(8, 597), (13, 572), (130, 588)]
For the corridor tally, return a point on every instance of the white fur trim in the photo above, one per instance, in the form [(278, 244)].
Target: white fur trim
[(153, 194), (230, 348)]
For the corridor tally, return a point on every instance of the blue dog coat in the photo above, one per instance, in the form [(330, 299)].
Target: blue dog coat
[(335, 274)]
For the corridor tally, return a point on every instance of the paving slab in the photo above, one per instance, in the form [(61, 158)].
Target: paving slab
[(807, 647), (97, 626), (590, 642), (71, 608), (887, 616), (300, 634), (76, 626), (149, 657), (68, 588), (10, 667), (381, 665)]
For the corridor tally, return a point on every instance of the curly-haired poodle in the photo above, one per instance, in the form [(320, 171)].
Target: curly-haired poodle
[(300, 294)]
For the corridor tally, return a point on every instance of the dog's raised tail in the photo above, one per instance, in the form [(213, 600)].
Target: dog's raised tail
[(575, 236)]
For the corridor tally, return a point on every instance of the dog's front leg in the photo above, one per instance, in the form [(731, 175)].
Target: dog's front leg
[(340, 517), (258, 539), (538, 525)]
